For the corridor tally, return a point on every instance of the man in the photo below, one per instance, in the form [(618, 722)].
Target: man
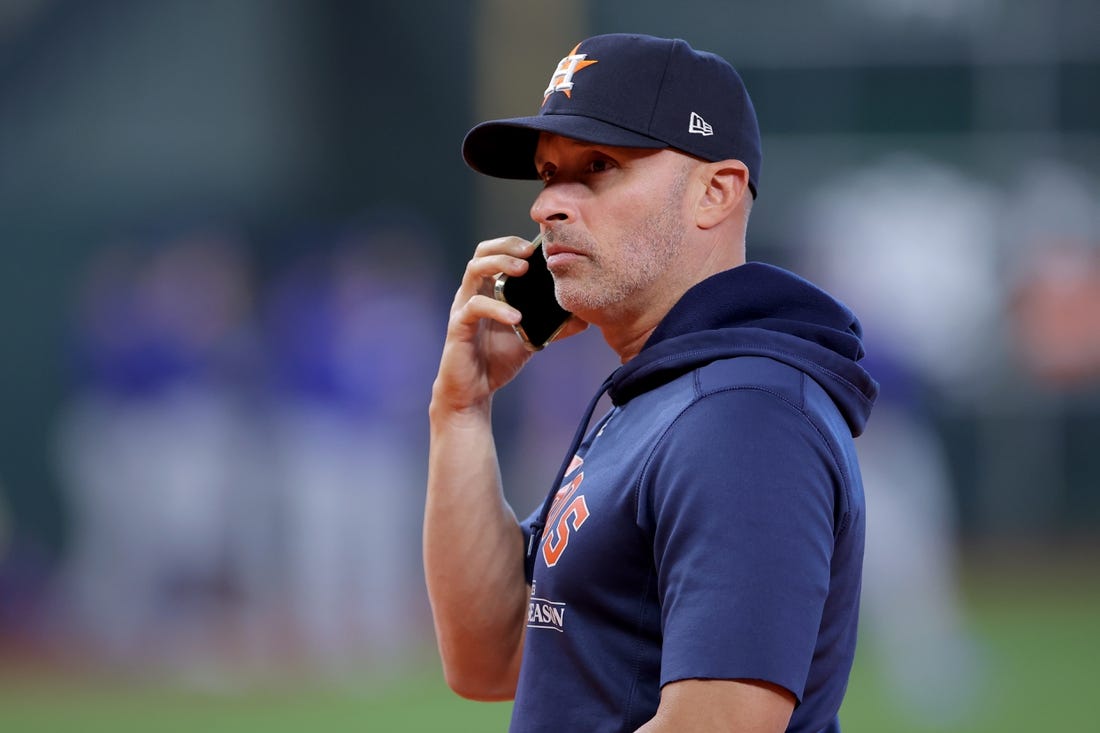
[(697, 565)]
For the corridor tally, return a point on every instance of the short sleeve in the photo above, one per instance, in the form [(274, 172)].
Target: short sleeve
[(739, 496)]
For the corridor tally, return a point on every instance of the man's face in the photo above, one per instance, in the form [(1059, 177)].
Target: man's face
[(615, 223)]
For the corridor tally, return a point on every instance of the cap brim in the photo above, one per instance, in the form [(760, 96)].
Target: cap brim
[(506, 148)]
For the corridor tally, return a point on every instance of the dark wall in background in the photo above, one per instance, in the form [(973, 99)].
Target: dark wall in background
[(119, 118)]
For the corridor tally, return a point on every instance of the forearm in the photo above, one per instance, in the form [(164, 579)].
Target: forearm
[(731, 706), (473, 558)]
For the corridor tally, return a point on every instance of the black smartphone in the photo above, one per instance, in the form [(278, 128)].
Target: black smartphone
[(532, 294)]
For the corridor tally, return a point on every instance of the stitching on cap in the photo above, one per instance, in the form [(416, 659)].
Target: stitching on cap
[(660, 87)]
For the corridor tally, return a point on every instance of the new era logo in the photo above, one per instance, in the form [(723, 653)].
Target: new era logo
[(698, 126)]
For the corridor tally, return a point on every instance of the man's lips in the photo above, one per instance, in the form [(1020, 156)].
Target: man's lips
[(554, 249)]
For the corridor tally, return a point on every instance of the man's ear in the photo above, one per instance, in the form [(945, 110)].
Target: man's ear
[(726, 183)]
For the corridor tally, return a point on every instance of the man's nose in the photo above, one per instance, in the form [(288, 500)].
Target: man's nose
[(553, 205)]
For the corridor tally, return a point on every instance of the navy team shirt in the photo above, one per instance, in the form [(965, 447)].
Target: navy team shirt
[(711, 525)]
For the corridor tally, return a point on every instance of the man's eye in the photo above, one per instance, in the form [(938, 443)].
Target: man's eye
[(546, 174), (599, 165)]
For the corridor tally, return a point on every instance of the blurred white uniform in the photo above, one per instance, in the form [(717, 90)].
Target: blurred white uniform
[(154, 453), (348, 451), (911, 247)]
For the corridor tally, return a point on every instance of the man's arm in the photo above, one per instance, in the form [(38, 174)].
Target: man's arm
[(473, 560), (722, 706), (473, 546)]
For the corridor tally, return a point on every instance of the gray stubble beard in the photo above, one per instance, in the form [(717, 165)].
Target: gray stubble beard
[(657, 242)]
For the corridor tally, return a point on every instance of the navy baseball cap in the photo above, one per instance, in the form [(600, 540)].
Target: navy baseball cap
[(629, 91)]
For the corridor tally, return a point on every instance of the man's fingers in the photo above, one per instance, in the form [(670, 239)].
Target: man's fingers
[(515, 246), (479, 278), (505, 254), (480, 307), (474, 300)]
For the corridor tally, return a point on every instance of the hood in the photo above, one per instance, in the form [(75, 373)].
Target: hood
[(757, 310)]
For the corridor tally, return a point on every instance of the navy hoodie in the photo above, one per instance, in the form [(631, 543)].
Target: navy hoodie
[(711, 524)]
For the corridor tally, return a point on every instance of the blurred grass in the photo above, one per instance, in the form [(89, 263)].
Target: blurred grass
[(1036, 621), (419, 701), (1038, 626)]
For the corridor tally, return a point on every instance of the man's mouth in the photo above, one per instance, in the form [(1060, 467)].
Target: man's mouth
[(556, 246)]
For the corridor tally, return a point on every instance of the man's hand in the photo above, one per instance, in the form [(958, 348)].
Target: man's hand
[(473, 546), (482, 353)]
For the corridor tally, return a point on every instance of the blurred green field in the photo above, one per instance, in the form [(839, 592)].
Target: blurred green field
[(1038, 626)]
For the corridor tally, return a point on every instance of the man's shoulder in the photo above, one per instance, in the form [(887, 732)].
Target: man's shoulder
[(759, 372), (700, 386), (774, 386)]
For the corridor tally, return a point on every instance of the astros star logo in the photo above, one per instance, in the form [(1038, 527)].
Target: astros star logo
[(562, 78)]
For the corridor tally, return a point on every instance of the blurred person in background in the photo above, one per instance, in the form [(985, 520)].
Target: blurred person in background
[(696, 563), (347, 327), (1052, 232), (1054, 240), (155, 448), (911, 245)]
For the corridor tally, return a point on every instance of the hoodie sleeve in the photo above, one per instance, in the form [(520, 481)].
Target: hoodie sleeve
[(739, 497)]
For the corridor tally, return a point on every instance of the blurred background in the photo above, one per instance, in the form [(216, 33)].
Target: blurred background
[(231, 232)]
